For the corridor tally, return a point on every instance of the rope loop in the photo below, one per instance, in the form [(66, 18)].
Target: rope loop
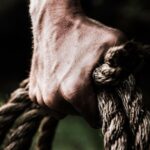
[(119, 62)]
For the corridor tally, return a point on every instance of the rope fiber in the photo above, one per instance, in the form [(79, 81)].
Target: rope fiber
[(125, 120), (120, 100)]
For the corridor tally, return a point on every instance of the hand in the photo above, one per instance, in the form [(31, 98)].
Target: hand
[(63, 60)]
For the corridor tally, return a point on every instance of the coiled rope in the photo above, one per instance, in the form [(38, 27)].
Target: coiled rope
[(20, 120), (125, 121)]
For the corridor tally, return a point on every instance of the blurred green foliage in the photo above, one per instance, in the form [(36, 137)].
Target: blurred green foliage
[(74, 133)]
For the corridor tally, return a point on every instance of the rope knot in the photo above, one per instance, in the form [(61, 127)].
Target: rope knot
[(119, 62)]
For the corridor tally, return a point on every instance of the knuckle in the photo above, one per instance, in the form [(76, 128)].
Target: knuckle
[(32, 96), (69, 94), (120, 36), (43, 99), (49, 98), (31, 91), (35, 95), (69, 90), (115, 37), (39, 98)]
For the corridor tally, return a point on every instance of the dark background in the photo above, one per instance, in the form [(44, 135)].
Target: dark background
[(130, 16), (15, 43)]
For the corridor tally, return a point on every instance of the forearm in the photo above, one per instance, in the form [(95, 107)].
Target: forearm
[(50, 17), (54, 8)]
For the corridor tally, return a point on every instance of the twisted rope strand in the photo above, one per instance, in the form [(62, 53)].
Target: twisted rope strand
[(10, 111), (47, 133), (139, 118), (25, 127), (118, 64), (20, 137), (113, 125)]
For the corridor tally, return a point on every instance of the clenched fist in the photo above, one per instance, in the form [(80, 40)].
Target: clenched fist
[(67, 47)]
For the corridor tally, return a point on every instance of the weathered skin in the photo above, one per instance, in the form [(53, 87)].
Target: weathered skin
[(67, 46)]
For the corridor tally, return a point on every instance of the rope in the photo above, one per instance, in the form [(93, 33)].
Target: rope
[(47, 135), (21, 135), (10, 112), (113, 125), (118, 64), (139, 118), (125, 121), (20, 120)]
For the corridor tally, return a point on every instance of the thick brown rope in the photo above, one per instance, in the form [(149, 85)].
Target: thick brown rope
[(20, 137), (47, 133), (23, 129), (114, 121), (119, 62), (139, 118), (9, 112)]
